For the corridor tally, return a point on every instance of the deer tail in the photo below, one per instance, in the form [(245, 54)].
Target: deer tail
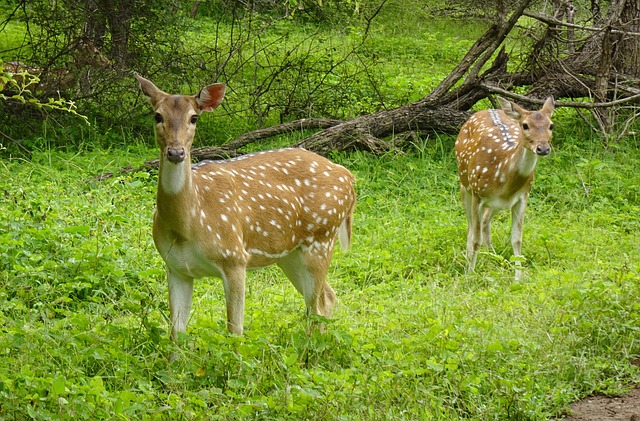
[(344, 232)]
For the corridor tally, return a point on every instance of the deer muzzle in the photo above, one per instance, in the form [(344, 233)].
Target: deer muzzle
[(543, 149), (175, 155)]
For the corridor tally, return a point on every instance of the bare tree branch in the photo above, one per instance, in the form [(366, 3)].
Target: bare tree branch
[(550, 20), (571, 104)]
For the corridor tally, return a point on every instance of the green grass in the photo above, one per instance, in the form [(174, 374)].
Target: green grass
[(11, 38), (83, 321)]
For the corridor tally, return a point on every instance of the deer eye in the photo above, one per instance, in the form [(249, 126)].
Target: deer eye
[(194, 118), (158, 118), (525, 126), (551, 126)]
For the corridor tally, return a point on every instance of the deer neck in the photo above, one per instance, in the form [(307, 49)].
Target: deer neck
[(176, 195), (524, 160)]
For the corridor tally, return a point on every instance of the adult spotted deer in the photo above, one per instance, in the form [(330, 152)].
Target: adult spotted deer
[(497, 151), (223, 218)]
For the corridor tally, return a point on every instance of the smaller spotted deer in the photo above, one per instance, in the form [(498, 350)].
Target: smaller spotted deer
[(222, 218), (497, 151)]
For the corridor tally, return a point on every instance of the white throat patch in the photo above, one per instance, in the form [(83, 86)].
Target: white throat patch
[(528, 162), (172, 177)]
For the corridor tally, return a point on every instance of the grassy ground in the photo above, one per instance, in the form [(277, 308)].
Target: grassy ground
[(83, 329), (84, 302)]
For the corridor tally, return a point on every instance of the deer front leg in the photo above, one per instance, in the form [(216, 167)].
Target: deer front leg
[(468, 210), (180, 298), (234, 287), (474, 232), (517, 221)]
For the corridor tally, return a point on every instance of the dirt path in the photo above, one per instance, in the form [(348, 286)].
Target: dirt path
[(602, 408)]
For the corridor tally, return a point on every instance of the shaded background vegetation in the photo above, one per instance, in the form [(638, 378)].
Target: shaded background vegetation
[(273, 73), (283, 61)]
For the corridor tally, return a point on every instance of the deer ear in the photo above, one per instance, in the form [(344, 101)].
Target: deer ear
[(511, 109), (548, 107), (210, 96), (149, 89)]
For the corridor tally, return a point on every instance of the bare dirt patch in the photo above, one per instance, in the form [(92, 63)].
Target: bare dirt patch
[(603, 408)]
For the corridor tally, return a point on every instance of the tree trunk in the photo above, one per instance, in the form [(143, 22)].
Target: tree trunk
[(446, 107), (94, 29), (119, 19), (194, 9), (627, 59)]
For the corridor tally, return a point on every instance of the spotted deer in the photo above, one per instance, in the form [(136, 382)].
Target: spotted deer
[(222, 218), (497, 151)]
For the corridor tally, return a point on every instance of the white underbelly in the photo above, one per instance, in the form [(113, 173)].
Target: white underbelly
[(498, 203), (188, 260)]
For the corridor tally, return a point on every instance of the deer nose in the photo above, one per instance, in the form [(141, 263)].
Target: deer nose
[(543, 150), (175, 155)]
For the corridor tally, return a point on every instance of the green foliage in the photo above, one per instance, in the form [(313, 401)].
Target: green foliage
[(316, 11), (18, 87), (83, 322), (83, 52)]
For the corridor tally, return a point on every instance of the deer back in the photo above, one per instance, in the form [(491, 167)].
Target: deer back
[(259, 207)]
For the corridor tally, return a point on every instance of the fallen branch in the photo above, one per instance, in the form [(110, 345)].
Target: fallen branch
[(550, 20), (289, 127), (571, 104)]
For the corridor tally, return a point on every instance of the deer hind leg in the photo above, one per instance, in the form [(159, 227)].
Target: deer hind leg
[(234, 279), (180, 298), (307, 271), (486, 227), (517, 221)]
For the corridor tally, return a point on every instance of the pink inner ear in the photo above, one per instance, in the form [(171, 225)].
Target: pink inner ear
[(211, 96)]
